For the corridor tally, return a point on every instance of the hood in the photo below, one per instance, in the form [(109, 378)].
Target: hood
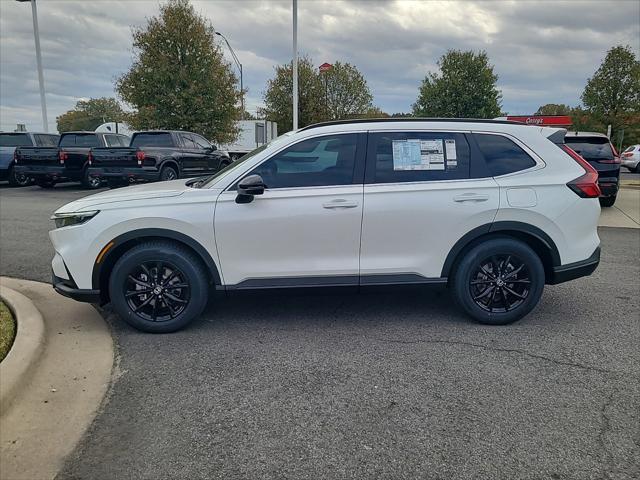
[(136, 192)]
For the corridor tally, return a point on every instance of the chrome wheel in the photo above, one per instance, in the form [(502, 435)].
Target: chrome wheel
[(157, 291), (500, 283)]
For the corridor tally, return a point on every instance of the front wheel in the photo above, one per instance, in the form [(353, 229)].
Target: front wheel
[(607, 201), (158, 287), (18, 179), (499, 281)]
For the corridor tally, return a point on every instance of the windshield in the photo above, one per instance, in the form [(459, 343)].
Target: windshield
[(591, 148), (15, 140)]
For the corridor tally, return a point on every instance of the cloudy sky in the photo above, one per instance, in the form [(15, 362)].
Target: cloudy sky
[(543, 51)]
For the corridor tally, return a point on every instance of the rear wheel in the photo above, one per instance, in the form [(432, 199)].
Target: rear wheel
[(168, 173), (499, 281), (18, 179), (607, 201), (158, 287), (89, 181)]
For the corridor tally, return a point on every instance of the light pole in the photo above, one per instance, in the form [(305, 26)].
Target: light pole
[(36, 34), (295, 64), (235, 58)]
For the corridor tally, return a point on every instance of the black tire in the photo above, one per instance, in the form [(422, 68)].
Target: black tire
[(46, 183), (608, 201), (135, 271), (90, 182), (168, 173), (508, 301), (18, 180)]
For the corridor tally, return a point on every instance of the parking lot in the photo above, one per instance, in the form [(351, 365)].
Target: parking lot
[(365, 386)]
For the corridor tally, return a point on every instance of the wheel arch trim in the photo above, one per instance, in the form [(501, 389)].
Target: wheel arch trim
[(157, 233), (498, 227)]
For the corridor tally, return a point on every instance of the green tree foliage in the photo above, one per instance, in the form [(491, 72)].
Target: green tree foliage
[(89, 114), (346, 93), (554, 109), (465, 87), (612, 95), (340, 93), (179, 79)]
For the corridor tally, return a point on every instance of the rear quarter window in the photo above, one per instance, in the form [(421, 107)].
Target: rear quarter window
[(502, 155)]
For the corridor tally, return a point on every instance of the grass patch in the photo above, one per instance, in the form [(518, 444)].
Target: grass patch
[(7, 330)]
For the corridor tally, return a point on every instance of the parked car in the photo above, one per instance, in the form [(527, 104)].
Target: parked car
[(8, 143), (596, 149), (157, 155), (631, 158), (252, 134), (492, 209), (68, 161)]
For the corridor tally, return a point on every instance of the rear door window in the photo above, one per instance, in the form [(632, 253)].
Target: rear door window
[(590, 148), (502, 155), (79, 140), (394, 157), (160, 139)]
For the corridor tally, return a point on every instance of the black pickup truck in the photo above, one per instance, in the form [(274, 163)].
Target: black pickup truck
[(69, 161), (157, 155)]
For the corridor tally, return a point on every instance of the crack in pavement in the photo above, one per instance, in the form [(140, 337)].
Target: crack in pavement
[(606, 426), (511, 350)]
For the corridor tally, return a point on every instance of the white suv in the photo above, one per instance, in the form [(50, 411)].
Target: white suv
[(493, 209)]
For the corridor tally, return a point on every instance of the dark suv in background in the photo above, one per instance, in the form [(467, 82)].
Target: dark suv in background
[(596, 149)]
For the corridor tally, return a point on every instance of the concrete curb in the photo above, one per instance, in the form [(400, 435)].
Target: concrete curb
[(27, 347)]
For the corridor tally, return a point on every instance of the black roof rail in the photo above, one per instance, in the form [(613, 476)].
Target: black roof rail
[(408, 119)]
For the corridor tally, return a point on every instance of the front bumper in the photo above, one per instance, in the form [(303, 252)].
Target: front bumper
[(125, 173), (571, 271), (68, 288)]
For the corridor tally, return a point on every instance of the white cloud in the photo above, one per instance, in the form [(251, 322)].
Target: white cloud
[(542, 51)]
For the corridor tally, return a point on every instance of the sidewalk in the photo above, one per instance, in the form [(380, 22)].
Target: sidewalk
[(65, 390), (625, 212)]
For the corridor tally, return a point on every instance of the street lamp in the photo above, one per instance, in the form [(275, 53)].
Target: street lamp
[(235, 58), (36, 34)]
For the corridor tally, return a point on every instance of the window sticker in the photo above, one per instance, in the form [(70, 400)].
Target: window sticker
[(450, 148), (415, 154)]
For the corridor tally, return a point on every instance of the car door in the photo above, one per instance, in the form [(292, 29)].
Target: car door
[(420, 198), (209, 160), (305, 229), (191, 155)]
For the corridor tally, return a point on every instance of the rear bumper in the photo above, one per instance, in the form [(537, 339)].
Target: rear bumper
[(69, 289), (630, 162), (123, 173), (43, 171), (571, 271)]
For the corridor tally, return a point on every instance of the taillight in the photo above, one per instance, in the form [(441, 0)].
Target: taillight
[(62, 155), (585, 186), (15, 156), (90, 158), (140, 156)]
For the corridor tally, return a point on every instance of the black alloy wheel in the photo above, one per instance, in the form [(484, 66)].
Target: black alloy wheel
[(18, 179), (157, 291), (500, 283), (168, 173)]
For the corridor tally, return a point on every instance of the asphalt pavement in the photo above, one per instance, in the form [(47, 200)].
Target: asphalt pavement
[(394, 385)]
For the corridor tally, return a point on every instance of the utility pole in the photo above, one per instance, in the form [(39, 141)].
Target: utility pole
[(235, 59), (295, 64), (36, 34)]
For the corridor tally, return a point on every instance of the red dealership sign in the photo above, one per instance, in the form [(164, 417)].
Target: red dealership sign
[(543, 120), (325, 67)]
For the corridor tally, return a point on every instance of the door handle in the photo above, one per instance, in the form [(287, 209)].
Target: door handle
[(339, 203), (471, 197)]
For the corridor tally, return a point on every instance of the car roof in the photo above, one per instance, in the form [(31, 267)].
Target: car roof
[(26, 133)]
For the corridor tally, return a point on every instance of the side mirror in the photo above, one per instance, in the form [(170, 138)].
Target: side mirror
[(248, 187)]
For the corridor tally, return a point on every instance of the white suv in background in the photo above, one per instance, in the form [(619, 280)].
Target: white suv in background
[(493, 209), (631, 158)]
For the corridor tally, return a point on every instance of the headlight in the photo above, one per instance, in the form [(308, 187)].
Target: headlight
[(74, 218)]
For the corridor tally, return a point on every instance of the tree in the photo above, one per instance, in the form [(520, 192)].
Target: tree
[(554, 109), (89, 114), (179, 79), (346, 93), (278, 98), (465, 87), (612, 95), (339, 93)]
